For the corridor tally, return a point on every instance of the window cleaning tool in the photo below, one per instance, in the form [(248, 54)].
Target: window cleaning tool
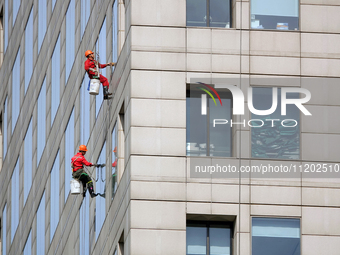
[(95, 83), (75, 187)]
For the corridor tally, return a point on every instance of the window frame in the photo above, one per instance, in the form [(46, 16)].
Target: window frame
[(226, 94), (231, 15), (272, 217), (215, 224)]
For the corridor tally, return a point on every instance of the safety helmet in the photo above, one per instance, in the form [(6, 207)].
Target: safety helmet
[(88, 52), (115, 150), (82, 148)]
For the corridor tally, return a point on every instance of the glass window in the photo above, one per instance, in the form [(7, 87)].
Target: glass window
[(69, 153), (16, 5), (55, 81), (114, 160), (218, 137), (84, 221), (41, 121), (218, 11), (4, 230), (42, 22), (53, 4), (70, 38), (85, 14), (4, 130), (28, 245), (115, 31), (41, 227), (271, 139), (275, 236), (28, 159), (101, 53), (6, 26), (115, 252), (208, 238), (275, 14), (28, 50), (100, 188), (84, 111), (54, 203), (15, 200), (16, 90)]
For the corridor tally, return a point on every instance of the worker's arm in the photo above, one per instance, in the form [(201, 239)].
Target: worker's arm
[(86, 163)]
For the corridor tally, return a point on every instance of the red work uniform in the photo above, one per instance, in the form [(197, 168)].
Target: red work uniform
[(79, 161), (92, 64)]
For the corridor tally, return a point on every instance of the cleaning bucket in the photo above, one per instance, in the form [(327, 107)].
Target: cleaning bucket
[(94, 87), (75, 186)]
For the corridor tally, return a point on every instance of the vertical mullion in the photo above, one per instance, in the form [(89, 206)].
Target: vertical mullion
[(208, 13), (208, 129), (208, 240)]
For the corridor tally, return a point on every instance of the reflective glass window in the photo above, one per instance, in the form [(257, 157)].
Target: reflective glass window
[(28, 159), (6, 26), (41, 227), (42, 22), (15, 200), (29, 50), (84, 221), (84, 111), (271, 139), (208, 238), (4, 130), (70, 38), (101, 54), (218, 11), (69, 153), (54, 201), (115, 31), (4, 230), (53, 4), (218, 137), (85, 14), (275, 236), (55, 81), (41, 121), (16, 5), (114, 160), (100, 188), (28, 245), (275, 14), (16, 90)]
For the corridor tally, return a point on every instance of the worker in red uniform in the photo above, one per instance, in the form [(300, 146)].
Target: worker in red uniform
[(91, 69), (77, 162)]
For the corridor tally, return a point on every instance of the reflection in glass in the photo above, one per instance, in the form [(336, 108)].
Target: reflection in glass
[(275, 236), (197, 13), (41, 227), (275, 14), (41, 121), (220, 13), (220, 241), (196, 240), (273, 140)]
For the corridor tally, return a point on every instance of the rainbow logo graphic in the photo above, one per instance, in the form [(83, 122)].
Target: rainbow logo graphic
[(204, 97)]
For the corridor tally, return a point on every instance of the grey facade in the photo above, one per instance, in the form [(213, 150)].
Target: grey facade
[(147, 211)]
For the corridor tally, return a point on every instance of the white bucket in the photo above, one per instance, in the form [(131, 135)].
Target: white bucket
[(75, 186), (94, 87)]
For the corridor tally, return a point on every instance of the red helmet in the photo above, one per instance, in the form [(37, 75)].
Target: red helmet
[(88, 52), (82, 148)]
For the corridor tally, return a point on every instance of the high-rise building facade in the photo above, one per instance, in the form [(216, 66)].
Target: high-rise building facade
[(193, 164)]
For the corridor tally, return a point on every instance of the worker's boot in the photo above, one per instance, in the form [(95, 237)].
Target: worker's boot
[(92, 194), (84, 191), (107, 94)]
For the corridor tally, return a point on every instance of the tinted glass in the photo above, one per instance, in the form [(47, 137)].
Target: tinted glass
[(6, 26), (16, 90), (15, 200), (220, 13), (41, 121), (275, 236), (55, 81), (69, 153), (85, 14), (274, 140), (275, 14), (4, 130), (28, 245), (42, 22), (70, 35), (114, 159), (16, 5), (197, 13), (54, 203), (115, 32), (28, 159), (29, 50), (4, 230), (220, 241), (84, 111), (84, 220), (196, 240), (41, 227)]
